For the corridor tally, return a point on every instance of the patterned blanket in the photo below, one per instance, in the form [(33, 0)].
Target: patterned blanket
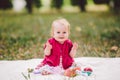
[(103, 69)]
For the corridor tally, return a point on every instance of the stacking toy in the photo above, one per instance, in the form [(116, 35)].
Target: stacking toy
[(88, 70)]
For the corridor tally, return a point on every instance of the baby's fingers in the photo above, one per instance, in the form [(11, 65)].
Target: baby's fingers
[(75, 45)]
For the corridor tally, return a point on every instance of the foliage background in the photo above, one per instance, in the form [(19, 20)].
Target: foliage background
[(22, 35)]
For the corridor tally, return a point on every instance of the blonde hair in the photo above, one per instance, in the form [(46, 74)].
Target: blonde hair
[(62, 22)]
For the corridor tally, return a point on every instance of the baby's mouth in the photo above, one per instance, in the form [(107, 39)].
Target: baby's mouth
[(61, 37)]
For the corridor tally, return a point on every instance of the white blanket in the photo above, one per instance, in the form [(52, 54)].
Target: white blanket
[(103, 69)]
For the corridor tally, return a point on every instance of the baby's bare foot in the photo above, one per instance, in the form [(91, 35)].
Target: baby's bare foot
[(45, 72)]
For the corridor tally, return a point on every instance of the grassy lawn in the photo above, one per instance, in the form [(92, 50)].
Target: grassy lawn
[(22, 36)]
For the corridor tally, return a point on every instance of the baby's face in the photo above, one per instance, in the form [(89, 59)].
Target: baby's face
[(60, 33)]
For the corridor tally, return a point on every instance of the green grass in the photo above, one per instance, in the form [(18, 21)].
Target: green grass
[(22, 36)]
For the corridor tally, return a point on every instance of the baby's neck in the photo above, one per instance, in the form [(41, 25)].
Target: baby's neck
[(61, 42)]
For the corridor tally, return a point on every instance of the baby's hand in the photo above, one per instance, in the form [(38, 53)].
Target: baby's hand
[(48, 46), (74, 49), (75, 46)]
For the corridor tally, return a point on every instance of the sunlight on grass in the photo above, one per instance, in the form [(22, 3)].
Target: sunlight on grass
[(97, 8)]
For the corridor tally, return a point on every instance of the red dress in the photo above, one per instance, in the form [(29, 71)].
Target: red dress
[(59, 50)]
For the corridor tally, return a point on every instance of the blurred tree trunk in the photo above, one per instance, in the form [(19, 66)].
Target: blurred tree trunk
[(80, 3), (117, 6), (57, 3), (5, 4), (30, 4), (37, 3), (101, 1)]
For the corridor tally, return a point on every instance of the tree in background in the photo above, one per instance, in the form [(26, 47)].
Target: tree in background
[(101, 1), (30, 3), (80, 3), (117, 6), (5, 4), (57, 4)]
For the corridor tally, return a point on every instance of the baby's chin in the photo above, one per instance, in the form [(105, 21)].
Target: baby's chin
[(62, 41)]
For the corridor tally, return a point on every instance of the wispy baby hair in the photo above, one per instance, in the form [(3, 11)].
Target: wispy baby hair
[(61, 22)]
